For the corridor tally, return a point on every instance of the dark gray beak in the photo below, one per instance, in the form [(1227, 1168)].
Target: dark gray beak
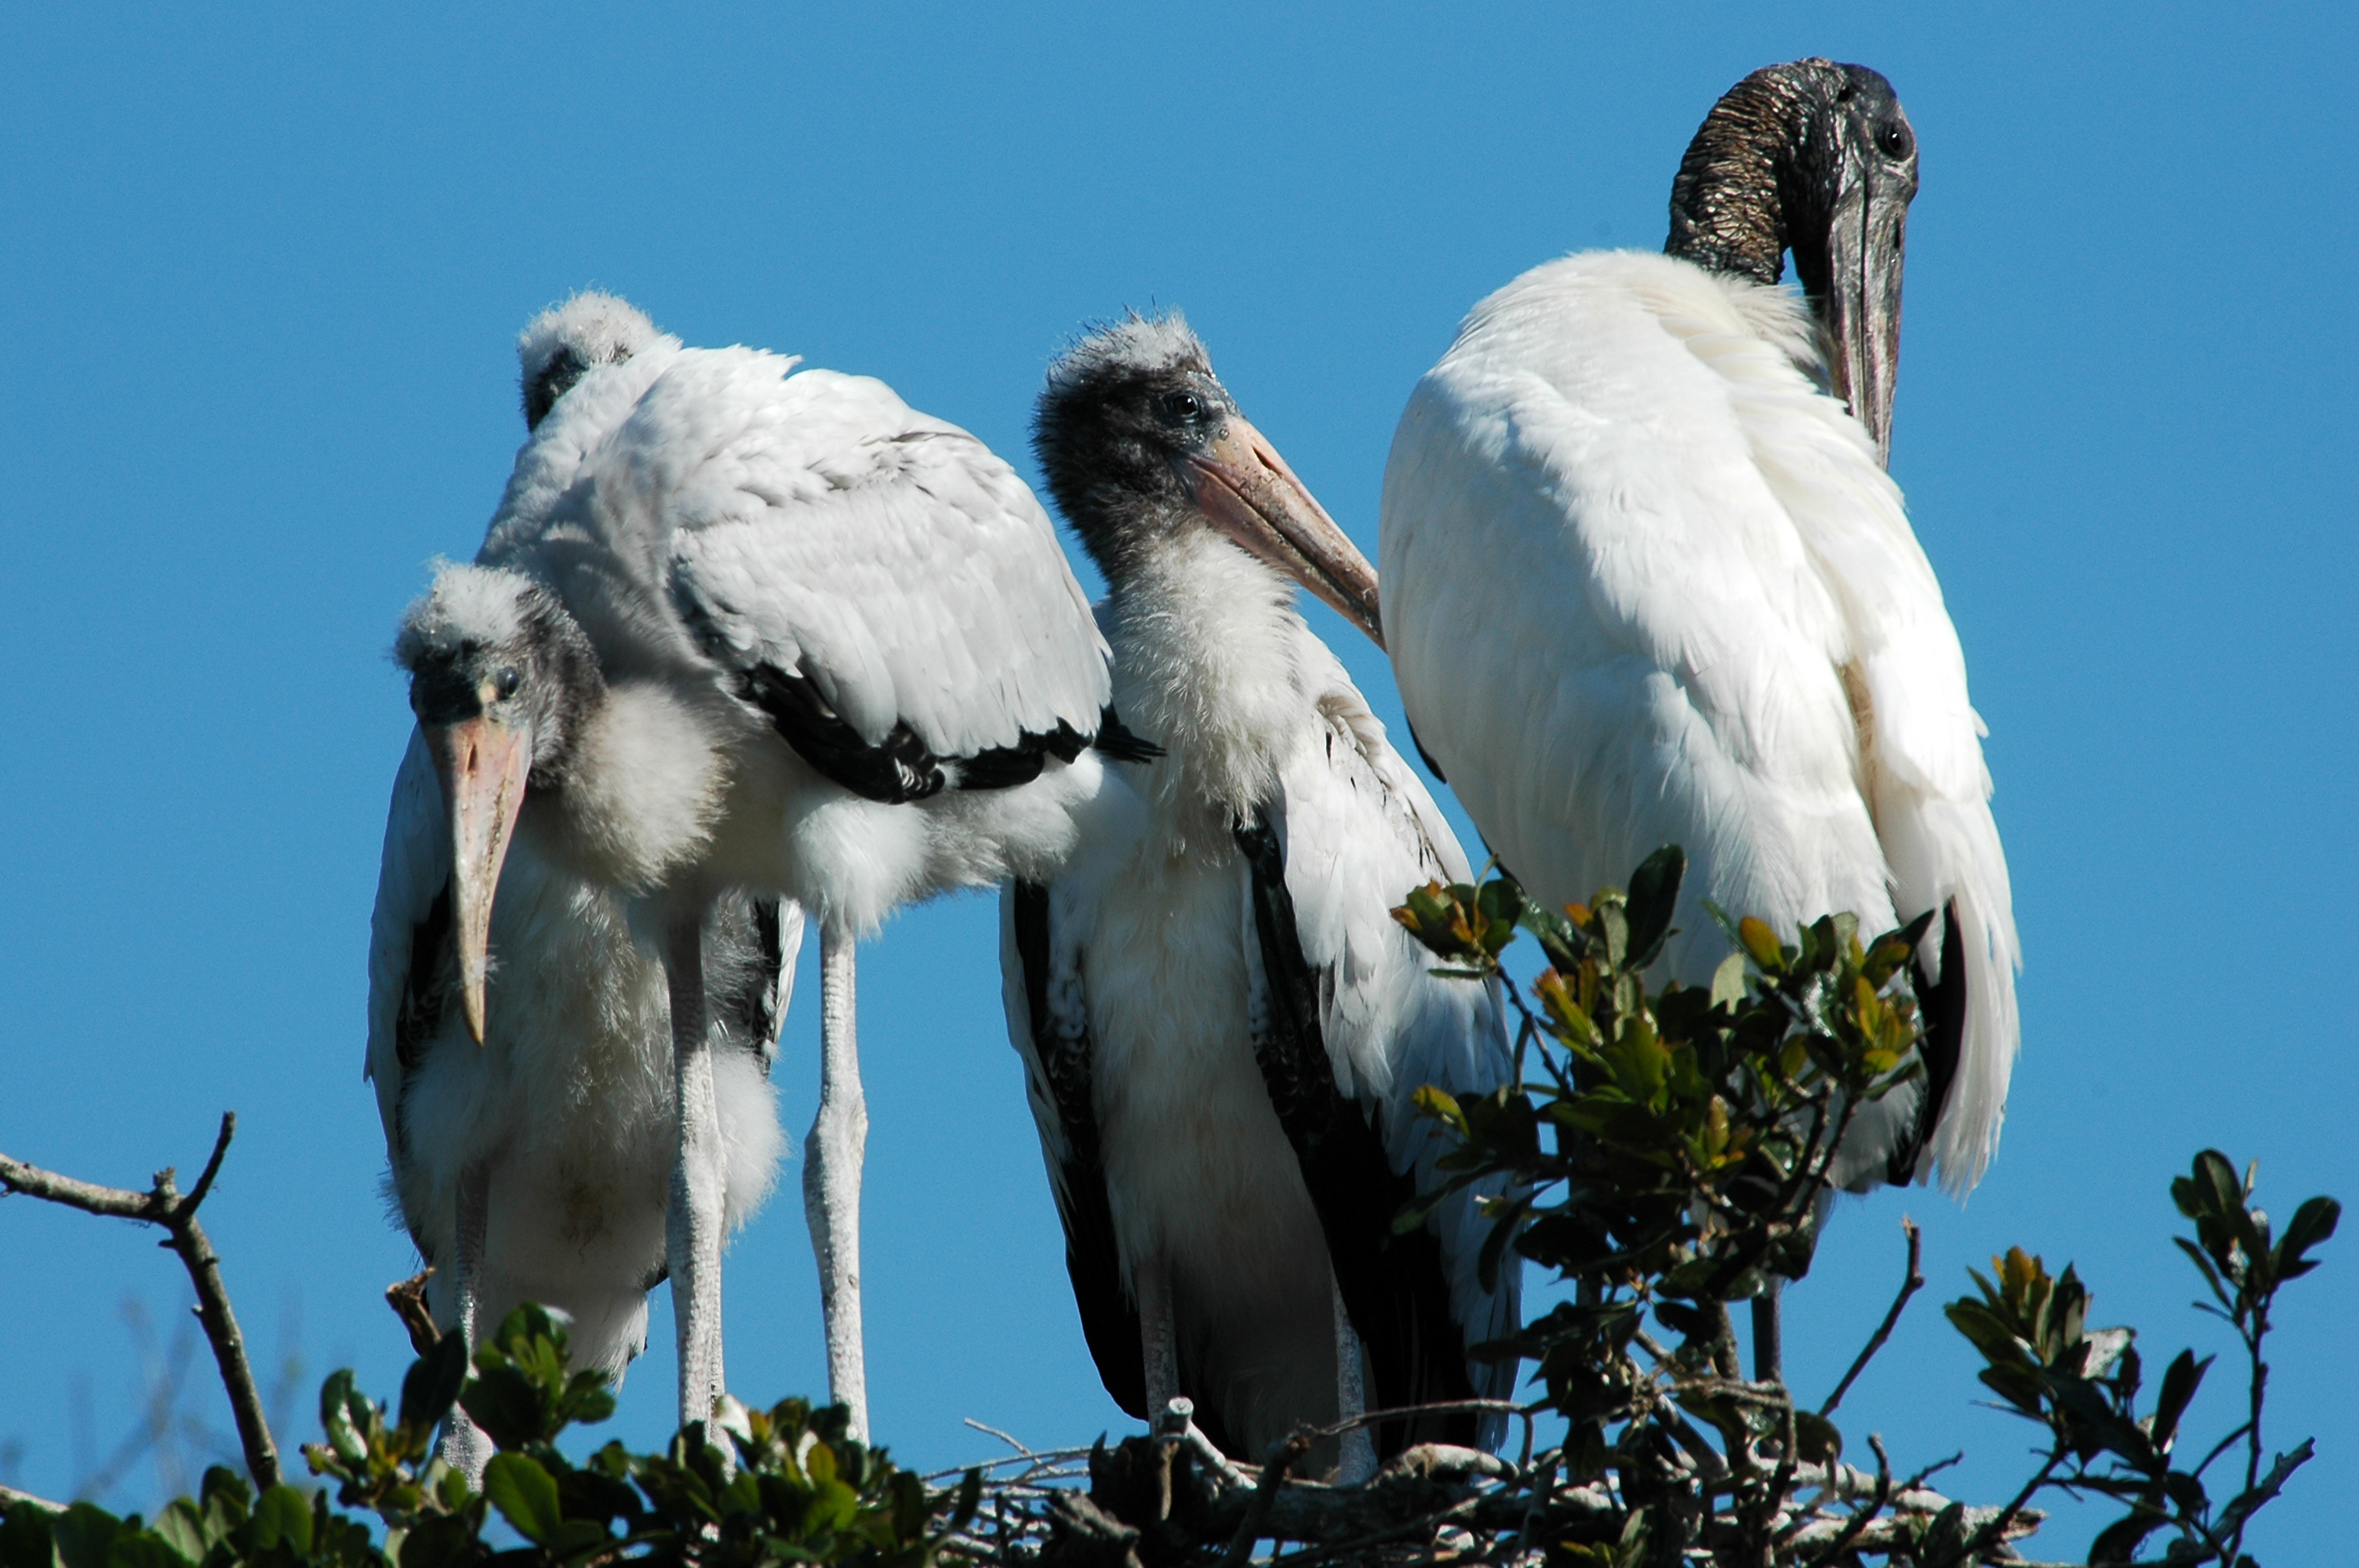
[(1865, 246)]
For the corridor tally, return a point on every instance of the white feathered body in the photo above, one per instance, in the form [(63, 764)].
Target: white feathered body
[(1645, 583), (704, 514), (569, 1099), (1155, 953)]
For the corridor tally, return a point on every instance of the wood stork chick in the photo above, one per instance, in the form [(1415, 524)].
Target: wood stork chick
[(539, 1166), (1221, 1027), (843, 663)]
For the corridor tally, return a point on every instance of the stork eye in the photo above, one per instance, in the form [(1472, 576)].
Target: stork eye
[(1892, 140), (1183, 405), (505, 680)]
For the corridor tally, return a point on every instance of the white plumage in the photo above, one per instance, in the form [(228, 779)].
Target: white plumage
[(1646, 582), (1140, 987), (570, 1097), (761, 632)]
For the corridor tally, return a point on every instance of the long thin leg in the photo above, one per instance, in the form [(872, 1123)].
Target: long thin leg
[(1768, 1352), (465, 1447), (832, 1156), (692, 1222), (1158, 1348), (1357, 1461)]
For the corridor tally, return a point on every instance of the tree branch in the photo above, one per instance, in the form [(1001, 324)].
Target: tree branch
[(165, 1204), (1909, 1286), (10, 1497)]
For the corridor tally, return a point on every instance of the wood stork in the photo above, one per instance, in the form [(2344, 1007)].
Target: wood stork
[(1646, 582), (538, 1168), (741, 629), (1220, 1025)]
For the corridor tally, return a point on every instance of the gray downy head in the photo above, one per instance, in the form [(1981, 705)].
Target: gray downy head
[(1137, 439), (566, 342), (1817, 159), (502, 681)]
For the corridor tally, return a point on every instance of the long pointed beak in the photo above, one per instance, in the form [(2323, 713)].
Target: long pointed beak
[(482, 764), (1863, 305), (1245, 488)]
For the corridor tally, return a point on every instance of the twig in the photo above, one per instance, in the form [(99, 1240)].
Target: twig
[(1996, 1529), (166, 1206), (11, 1498), (1861, 1517), (1265, 1497), (1909, 1286), (407, 1300), (1008, 1438)]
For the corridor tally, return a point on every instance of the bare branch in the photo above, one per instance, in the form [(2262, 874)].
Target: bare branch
[(1861, 1519), (1909, 1285), (10, 1497), (164, 1205), (407, 1300), (212, 1166), (1265, 1497)]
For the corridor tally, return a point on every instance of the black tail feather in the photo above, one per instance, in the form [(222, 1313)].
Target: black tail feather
[(1942, 1006)]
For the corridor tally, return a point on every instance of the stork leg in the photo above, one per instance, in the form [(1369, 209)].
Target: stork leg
[(692, 1222), (1768, 1352), (465, 1447), (1158, 1347), (832, 1156), (1357, 1460)]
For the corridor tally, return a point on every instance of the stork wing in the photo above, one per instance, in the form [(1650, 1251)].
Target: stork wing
[(409, 946), (1359, 831), (1049, 1025), (879, 573), (1704, 620)]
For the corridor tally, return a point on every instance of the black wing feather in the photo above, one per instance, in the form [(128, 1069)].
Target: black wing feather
[(1109, 1319), (901, 768), (1395, 1287)]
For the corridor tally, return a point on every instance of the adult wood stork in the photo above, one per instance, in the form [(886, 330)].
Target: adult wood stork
[(1221, 1027), (538, 1167), (1646, 581), (741, 629)]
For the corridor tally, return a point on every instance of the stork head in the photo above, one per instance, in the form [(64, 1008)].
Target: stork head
[(566, 342), (1817, 159), (501, 681), (1138, 439)]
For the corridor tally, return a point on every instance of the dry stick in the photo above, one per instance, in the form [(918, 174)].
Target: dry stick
[(166, 1206), (1908, 1287), (1861, 1517), (1265, 1497), (10, 1497)]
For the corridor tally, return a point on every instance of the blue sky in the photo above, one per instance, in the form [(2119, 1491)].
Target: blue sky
[(261, 274)]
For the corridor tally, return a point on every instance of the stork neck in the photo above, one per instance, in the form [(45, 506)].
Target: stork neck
[(1738, 195), (1206, 641)]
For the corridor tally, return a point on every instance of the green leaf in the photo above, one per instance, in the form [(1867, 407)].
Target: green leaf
[(82, 1534), (1728, 983), (1654, 895), (2179, 1381), (283, 1515), (1818, 1439), (182, 1528), (2312, 1223), (526, 1496), (432, 1383)]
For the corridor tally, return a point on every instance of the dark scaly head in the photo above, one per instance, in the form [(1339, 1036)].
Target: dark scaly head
[(1137, 439), (1816, 159), (502, 681)]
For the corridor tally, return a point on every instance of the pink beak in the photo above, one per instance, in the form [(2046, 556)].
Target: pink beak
[(482, 764)]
